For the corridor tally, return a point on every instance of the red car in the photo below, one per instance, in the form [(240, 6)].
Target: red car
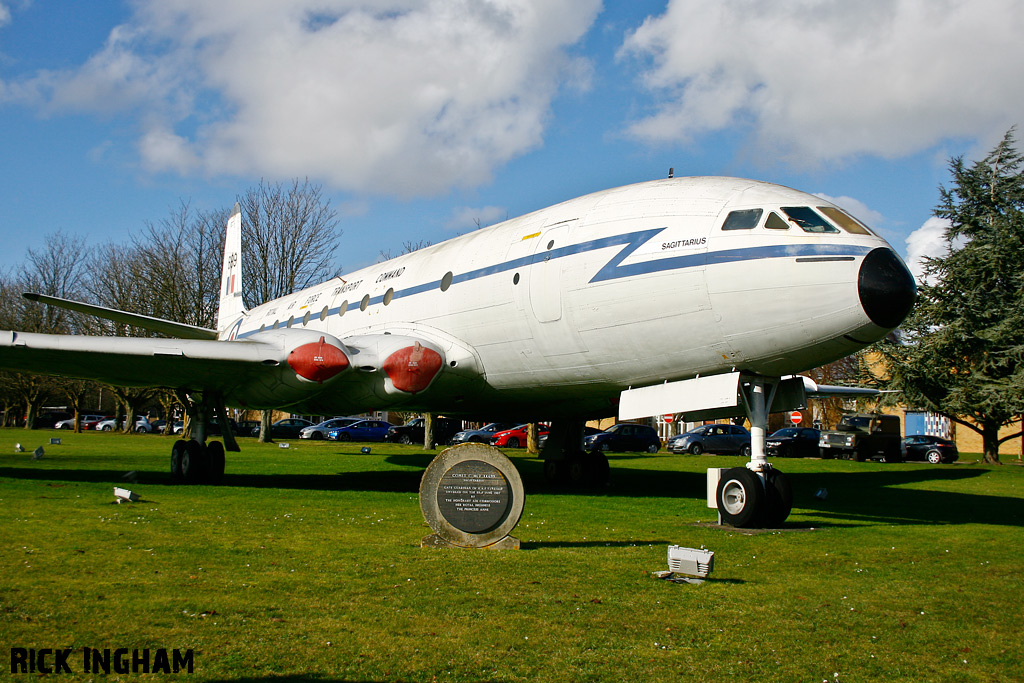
[(514, 438)]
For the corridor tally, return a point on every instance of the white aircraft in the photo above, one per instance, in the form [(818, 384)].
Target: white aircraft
[(698, 296)]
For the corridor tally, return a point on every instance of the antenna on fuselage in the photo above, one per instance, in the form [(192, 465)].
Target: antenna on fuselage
[(671, 172)]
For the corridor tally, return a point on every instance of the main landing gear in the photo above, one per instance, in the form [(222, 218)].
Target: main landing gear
[(194, 461), (757, 495), (565, 461)]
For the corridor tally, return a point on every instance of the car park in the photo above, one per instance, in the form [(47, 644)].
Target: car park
[(319, 431), (360, 430), (516, 437), (624, 437), (714, 438), (933, 449), (793, 442), (482, 435), (413, 431), (288, 428)]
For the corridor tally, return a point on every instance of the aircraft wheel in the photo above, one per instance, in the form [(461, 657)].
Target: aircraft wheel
[(554, 471), (696, 448), (177, 455), (778, 499), (740, 498), (193, 461), (599, 469), (576, 468), (215, 460), (934, 457)]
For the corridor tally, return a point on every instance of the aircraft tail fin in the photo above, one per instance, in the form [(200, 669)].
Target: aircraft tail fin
[(232, 307)]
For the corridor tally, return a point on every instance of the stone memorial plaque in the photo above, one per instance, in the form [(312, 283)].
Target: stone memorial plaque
[(472, 497)]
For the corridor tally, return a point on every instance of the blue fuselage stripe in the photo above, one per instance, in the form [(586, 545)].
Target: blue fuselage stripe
[(614, 269)]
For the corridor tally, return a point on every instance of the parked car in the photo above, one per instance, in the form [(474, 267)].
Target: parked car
[(515, 437), (288, 428), (245, 427), (319, 431), (482, 435), (142, 425), (624, 437), (934, 449), (863, 436), (793, 442), (82, 421), (714, 438), (360, 430), (412, 431)]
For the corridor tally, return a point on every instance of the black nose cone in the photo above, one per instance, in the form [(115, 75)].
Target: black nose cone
[(887, 289)]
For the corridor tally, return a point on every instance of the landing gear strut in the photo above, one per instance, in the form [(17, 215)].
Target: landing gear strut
[(757, 495), (565, 461)]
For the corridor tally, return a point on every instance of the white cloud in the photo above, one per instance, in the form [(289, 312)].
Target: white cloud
[(394, 97), (928, 240), (819, 80), (469, 218), (5, 15)]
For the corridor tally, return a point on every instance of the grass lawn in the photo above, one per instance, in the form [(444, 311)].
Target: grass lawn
[(306, 565)]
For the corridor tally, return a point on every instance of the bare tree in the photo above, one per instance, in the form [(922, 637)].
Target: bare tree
[(58, 270), (290, 236)]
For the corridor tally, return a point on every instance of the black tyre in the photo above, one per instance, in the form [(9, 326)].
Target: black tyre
[(215, 461), (177, 454), (740, 497), (745, 451), (576, 469), (695, 448), (406, 439), (653, 448), (778, 499), (555, 471), (599, 470), (512, 443), (317, 436), (193, 462), (933, 456)]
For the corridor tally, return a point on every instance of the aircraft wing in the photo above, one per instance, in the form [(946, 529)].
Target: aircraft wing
[(168, 327), (272, 369), (136, 361)]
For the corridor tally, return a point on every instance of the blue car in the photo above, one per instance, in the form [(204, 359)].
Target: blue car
[(361, 430)]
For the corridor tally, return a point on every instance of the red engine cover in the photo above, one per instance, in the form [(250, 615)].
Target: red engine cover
[(413, 368), (317, 361)]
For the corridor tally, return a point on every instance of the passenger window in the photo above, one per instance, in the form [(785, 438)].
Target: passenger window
[(744, 219), (776, 222), (844, 220), (808, 219)]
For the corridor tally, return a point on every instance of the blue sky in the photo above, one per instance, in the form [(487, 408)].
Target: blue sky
[(422, 118)]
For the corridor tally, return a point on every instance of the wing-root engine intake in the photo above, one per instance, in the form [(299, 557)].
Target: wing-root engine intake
[(317, 361)]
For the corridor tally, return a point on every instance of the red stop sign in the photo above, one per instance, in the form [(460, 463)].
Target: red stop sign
[(795, 417)]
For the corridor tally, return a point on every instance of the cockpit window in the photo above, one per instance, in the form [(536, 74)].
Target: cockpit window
[(808, 219), (776, 222), (744, 219), (844, 220)]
